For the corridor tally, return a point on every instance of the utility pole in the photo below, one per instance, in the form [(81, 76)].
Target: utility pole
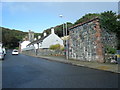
[(65, 34), (66, 43), (61, 16)]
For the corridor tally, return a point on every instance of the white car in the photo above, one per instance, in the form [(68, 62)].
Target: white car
[(1, 54), (15, 52)]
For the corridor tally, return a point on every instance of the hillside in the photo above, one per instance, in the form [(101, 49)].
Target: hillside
[(12, 37), (59, 29)]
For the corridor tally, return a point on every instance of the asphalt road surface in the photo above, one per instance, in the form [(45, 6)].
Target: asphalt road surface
[(20, 71)]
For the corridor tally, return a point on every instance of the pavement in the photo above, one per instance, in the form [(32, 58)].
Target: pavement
[(111, 67)]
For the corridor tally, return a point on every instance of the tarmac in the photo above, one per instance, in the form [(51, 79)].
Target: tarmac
[(111, 67)]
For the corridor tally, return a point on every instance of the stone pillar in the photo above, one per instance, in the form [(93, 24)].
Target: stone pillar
[(99, 44)]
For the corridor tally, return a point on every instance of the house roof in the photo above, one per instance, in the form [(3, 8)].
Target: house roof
[(38, 41), (95, 18)]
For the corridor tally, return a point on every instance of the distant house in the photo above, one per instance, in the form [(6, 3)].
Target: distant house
[(87, 41), (24, 44), (28, 39), (46, 41)]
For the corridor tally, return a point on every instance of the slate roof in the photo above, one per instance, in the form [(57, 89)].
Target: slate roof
[(38, 41)]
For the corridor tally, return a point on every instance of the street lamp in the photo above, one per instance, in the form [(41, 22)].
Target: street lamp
[(66, 43), (65, 34), (61, 16)]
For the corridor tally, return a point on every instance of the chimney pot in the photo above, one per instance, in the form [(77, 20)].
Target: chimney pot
[(39, 37), (45, 34), (52, 31)]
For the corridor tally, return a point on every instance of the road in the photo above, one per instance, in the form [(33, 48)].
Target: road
[(20, 71)]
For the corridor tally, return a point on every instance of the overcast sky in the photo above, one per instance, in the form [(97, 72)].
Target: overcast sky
[(38, 16)]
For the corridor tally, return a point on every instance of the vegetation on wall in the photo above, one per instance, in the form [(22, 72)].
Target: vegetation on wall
[(86, 17), (111, 22), (110, 50)]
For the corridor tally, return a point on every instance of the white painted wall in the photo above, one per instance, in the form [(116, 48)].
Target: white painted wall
[(52, 39), (24, 44), (36, 46), (28, 48)]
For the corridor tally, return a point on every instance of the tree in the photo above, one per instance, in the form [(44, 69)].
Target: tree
[(58, 29), (86, 18), (110, 21), (11, 37)]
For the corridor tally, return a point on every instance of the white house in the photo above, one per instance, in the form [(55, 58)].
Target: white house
[(46, 41), (52, 39), (27, 40), (23, 45)]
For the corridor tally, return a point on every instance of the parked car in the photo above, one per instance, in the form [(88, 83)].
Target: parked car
[(1, 54), (15, 52)]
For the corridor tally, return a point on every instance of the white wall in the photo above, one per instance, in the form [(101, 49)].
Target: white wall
[(24, 44), (28, 48), (36, 46), (52, 39)]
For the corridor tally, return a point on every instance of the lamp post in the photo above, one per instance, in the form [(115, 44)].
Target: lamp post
[(65, 34), (61, 16), (66, 43)]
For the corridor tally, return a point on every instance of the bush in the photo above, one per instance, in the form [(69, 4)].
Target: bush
[(110, 50), (56, 47)]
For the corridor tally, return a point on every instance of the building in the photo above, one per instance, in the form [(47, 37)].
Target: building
[(46, 41), (28, 39), (31, 36), (23, 45), (87, 41)]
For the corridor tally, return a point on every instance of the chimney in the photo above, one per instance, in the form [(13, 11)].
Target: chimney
[(39, 37), (35, 39), (45, 34), (52, 31)]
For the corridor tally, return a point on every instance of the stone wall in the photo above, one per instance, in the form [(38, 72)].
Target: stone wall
[(29, 52), (44, 52), (86, 41)]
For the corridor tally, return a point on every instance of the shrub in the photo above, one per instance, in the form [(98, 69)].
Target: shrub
[(55, 47), (110, 50)]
